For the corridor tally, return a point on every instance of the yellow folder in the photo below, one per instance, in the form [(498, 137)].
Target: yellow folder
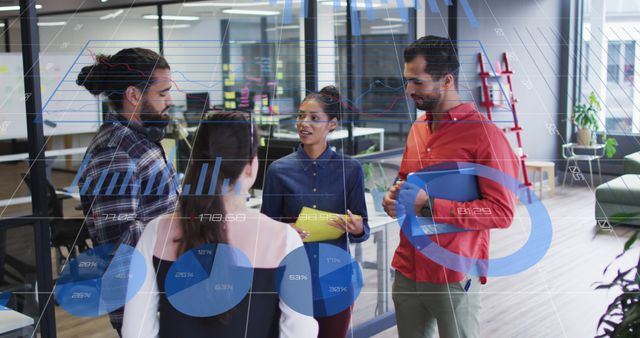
[(316, 223)]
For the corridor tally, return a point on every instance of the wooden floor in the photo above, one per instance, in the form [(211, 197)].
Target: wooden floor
[(555, 298)]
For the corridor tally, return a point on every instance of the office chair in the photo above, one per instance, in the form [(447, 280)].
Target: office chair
[(17, 271), (63, 231)]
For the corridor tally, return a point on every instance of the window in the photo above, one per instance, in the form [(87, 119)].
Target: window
[(613, 66), (610, 39)]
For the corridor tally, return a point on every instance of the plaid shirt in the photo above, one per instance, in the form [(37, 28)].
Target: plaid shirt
[(125, 182)]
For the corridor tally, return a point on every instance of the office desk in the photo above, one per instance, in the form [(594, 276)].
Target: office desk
[(341, 134), (379, 230), (15, 324), (25, 156), (47, 154)]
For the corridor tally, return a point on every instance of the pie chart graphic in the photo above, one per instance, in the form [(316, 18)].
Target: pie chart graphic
[(319, 280), (100, 280), (208, 280)]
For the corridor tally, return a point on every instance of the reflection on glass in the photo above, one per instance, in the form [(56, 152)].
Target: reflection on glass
[(377, 66)]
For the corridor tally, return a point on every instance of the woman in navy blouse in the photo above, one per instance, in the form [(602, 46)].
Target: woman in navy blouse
[(317, 177)]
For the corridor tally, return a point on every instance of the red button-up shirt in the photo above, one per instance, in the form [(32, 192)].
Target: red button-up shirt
[(464, 135)]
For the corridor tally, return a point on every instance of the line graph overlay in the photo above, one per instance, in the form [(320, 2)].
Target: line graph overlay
[(258, 84)]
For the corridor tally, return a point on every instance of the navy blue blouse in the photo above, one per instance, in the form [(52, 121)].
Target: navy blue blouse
[(333, 182)]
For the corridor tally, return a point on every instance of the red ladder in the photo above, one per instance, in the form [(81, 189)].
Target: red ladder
[(488, 103)]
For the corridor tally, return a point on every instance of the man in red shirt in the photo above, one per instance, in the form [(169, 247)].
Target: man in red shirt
[(424, 292)]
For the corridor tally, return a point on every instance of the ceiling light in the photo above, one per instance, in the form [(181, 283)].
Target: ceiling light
[(272, 29), (393, 31), (52, 23), (344, 4), (171, 17), (112, 15), (244, 42), (223, 4), (14, 8), (249, 12), (387, 26), (393, 19)]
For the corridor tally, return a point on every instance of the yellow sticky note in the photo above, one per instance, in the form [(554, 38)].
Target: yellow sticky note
[(230, 104), (279, 75), (280, 90), (275, 109), (229, 95), (229, 82), (169, 145), (265, 101), (263, 143), (316, 224), (225, 67), (4, 69), (232, 77), (230, 68), (279, 64)]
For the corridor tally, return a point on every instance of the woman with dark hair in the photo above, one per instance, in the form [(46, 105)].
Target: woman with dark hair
[(224, 159), (317, 177)]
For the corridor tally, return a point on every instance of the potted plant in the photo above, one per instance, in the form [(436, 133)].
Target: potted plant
[(622, 317), (585, 117), (610, 145), (379, 189)]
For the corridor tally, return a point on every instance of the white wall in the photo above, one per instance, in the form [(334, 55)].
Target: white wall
[(530, 32)]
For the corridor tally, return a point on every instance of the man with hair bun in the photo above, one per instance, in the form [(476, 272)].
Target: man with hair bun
[(125, 180)]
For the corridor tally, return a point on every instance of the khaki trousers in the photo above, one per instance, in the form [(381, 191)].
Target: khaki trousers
[(420, 306)]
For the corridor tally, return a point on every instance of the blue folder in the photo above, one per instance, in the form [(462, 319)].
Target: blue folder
[(458, 184)]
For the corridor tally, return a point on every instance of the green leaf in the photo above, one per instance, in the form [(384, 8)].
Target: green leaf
[(630, 241), (622, 316), (368, 171)]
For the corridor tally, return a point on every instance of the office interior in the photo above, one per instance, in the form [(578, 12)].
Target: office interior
[(527, 64)]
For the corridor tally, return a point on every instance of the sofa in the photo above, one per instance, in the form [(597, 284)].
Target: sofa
[(618, 200)]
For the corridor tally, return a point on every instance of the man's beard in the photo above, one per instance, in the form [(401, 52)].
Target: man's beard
[(150, 118), (430, 103)]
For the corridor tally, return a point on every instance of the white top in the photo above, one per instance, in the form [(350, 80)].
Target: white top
[(264, 241)]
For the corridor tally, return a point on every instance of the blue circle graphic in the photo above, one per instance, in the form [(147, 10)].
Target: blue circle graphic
[(319, 280), (208, 280), (531, 252), (100, 280)]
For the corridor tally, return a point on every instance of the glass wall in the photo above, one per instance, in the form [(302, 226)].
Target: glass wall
[(68, 42), (374, 72), (242, 54), (611, 33), (368, 70)]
